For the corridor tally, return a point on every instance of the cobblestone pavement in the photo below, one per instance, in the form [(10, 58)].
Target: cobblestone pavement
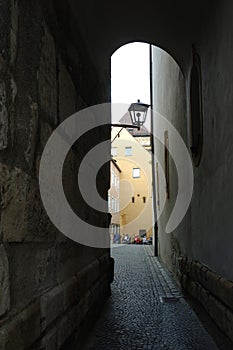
[(146, 310)]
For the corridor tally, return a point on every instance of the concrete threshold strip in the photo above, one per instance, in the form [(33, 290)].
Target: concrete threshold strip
[(169, 300)]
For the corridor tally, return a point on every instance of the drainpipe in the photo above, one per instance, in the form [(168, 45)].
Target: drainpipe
[(155, 228)]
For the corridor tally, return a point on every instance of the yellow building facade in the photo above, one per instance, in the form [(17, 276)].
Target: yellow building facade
[(135, 190)]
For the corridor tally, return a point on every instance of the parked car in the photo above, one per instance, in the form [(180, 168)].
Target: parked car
[(137, 240), (146, 240)]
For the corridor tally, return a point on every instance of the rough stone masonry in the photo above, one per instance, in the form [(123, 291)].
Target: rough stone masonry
[(50, 287)]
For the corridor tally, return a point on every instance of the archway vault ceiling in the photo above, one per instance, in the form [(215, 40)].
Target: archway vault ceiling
[(106, 25)]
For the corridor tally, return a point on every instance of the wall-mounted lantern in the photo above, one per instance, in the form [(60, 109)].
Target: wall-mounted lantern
[(138, 113)]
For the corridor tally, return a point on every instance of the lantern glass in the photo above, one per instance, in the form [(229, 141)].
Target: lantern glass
[(138, 112)]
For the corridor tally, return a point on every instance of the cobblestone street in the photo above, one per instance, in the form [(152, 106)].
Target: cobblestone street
[(146, 310)]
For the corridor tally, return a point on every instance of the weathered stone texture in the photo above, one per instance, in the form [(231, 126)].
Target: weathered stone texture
[(41, 299), (71, 296), (22, 331), (66, 326), (51, 306), (32, 268), (86, 278), (57, 313), (211, 290), (229, 322), (48, 78), (67, 93), (3, 117), (49, 341), (14, 30), (32, 133), (4, 282), (23, 217), (14, 190)]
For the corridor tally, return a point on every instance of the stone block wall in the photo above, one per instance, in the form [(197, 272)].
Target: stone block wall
[(209, 288), (49, 284), (59, 312)]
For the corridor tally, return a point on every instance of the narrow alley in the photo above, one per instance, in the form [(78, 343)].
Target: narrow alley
[(69, 187), (146, 310)]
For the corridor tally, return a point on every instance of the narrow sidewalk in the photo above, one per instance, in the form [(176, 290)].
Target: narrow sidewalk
[(146, 310)]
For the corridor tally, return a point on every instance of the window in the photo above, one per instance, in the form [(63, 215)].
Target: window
[(196, 109), (136, 173), (144, 200), (114, 151), (133, 199), (166, 162), (128, 151)]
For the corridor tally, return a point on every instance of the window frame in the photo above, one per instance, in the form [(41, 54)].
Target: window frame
[(131, 151), (133, 171)]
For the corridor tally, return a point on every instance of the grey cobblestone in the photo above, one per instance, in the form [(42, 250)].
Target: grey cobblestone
[(135, 317)]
